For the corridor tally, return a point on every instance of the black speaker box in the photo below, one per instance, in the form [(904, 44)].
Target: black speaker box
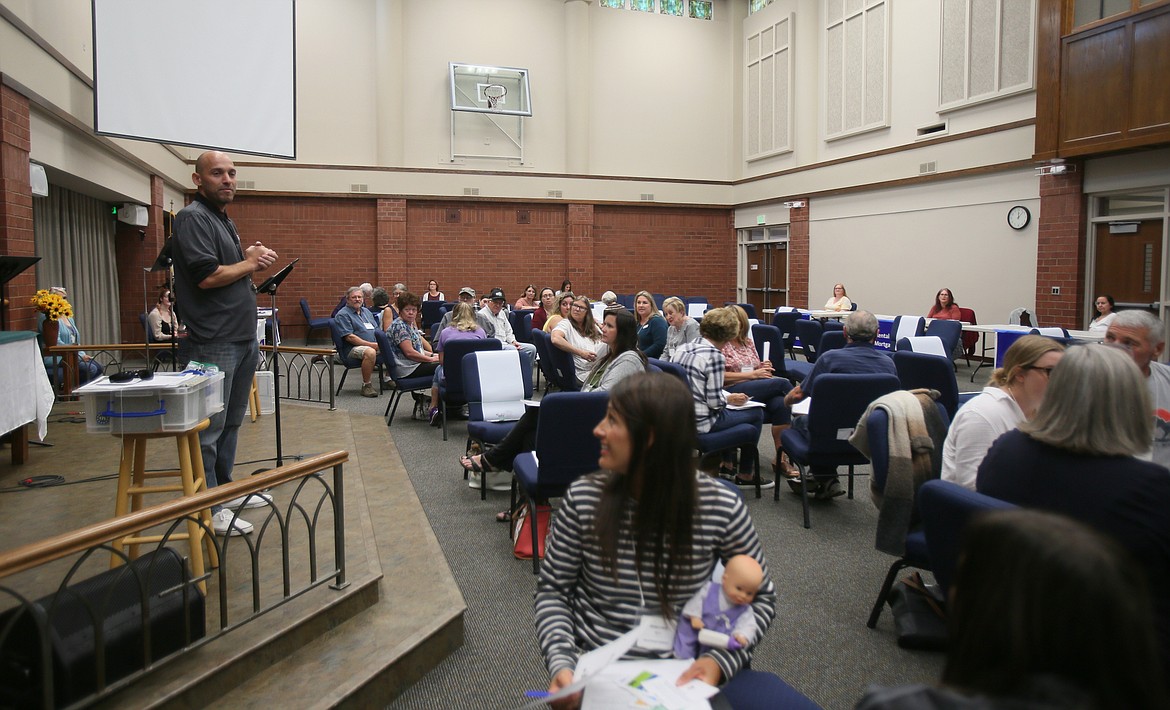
[(113, 599)]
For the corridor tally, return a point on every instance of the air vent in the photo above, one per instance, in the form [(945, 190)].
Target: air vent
[(932, 130), (359, 187), (556, 194), (926, 168), (523, 217), (471, 191), (453, 215), (246, 184), (647, 197)]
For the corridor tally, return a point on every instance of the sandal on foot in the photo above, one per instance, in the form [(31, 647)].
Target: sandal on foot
[(468, 464)]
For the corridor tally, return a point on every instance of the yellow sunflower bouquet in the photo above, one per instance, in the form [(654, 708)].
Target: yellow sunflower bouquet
[(53, 305)]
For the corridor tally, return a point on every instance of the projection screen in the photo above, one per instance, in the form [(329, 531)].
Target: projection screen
[(206, 73)]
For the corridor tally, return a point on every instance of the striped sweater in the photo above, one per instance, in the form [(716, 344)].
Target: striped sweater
[(578, 605)]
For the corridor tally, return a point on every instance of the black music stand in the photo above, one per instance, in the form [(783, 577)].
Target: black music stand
[(163, 263), (10, 268), (270, 285)]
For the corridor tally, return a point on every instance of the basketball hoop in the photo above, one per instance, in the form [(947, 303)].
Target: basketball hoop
[(494, 93)]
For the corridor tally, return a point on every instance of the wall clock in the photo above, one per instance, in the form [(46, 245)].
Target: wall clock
[(1018, 217)]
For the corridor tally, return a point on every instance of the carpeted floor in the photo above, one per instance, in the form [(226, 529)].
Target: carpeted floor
[(827, 579)]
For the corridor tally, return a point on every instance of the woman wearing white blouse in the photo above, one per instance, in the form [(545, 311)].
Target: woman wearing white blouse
[(840, 301)]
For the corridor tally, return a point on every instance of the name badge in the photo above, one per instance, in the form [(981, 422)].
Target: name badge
[(655, 633), (369, 326)]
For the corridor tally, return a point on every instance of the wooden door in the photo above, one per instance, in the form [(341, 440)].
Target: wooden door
[(1129, 266), (767, 275)]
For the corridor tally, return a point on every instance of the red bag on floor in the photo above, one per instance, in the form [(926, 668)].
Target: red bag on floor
[(522, 533)]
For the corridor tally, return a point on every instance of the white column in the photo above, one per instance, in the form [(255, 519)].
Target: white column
[(578, 85), (388, 78)]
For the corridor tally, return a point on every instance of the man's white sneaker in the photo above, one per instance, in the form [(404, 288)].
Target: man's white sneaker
[(223, 524), (256, 500)]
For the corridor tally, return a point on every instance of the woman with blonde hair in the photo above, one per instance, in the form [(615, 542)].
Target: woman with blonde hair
[(651, 325), (579, 336), (746, 373), (840, 300), (564, 305), (1078, 456), (1011, 396), (683, 329)]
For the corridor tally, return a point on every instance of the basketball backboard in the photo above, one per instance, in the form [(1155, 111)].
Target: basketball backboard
[(485, 89)]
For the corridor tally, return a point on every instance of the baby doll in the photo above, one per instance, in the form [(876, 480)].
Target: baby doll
[(720, 615)]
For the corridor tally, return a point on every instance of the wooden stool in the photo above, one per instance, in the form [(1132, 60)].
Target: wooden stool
[(254, 400), (132, 475)]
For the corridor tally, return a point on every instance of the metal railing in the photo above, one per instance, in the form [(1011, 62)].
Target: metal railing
[(71, 645), (304, 371)]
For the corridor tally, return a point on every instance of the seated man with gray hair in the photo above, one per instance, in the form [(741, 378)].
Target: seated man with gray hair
[(858, 357), (1142, 335)]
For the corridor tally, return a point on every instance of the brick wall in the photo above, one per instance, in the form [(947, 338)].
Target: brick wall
[(1060, 254), (344, 241), (798, 256), (16, 215), (676, 251)]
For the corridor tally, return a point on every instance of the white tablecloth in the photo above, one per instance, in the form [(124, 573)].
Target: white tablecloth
[(27, 391)]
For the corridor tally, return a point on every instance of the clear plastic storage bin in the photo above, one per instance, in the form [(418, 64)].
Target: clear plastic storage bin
[(167, 402)]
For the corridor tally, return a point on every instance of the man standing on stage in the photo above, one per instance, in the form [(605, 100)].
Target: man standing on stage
[(216, 300)]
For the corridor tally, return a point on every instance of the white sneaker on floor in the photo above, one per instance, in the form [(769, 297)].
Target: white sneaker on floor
[(223, 524), (256, 500)]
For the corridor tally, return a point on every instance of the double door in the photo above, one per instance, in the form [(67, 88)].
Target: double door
[(766, 282)]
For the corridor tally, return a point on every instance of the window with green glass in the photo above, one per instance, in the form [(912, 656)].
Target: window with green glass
[(757, 5), (701, 9), (615, 4), (642, 5), (672, 7)]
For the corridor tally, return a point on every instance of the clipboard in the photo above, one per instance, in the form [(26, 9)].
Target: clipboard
[(276, 278)]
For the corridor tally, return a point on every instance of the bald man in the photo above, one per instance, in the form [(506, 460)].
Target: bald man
[(213, 281)]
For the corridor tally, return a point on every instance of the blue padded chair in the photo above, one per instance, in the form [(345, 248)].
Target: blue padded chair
[(926, 344), (402, 385), (432, 312), (1058, 334), (949, 331), (786, 322), (751, 690), (749, 309), (339, 344), (483, 426), (543, 359), (451, 392), (560, 367), (852, 306), (945, 509), (831, 340), (659, 299), (839, 402), (809, 332), (312, 323), (932, 372), (565, 450), (745, 437), (915, 555), (516, 320), (627, 300), (907, 327), (782, 366), (833, 324), (670, 368)]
